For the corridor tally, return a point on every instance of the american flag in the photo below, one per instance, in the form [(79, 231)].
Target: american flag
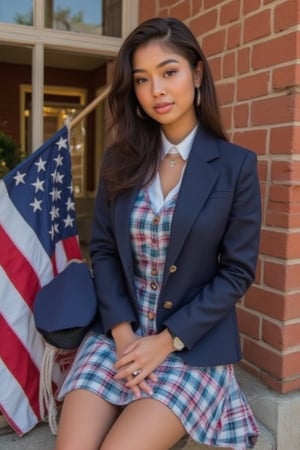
[(38, 236)]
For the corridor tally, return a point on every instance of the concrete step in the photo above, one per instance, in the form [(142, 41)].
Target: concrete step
[(40, 438)]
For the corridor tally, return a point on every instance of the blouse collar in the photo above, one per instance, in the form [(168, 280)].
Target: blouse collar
[(184, 147)]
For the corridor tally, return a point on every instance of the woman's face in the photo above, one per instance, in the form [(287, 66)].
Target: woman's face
[(164, 84)]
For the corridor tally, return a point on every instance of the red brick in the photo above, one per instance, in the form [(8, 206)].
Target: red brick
[(204, 23), (258, 273), (147, 10), (257, 26), (285, 194), (253, 139), (252, 86), (285, 139), (266, 302), (263, 357), (226, 114), (291, 335), (280, 244), (262, 168), (273, 110), (291, 364), (249, 323), (196, 7), (230, 12), (286, 77), (272, 361), (241, 115), (285, 171), (273, 304), (275, 51), (229, 65), (234, 36), (283, 277), (272, 334), (243, 60), (210, 3), (214, 43), (286, 15), (226, 93), (166, 3), (215, 67), (281, 386), (181, 10), (283, 220), (250, 6)]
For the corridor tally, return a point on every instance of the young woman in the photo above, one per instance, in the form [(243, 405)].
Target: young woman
[(174, 247)]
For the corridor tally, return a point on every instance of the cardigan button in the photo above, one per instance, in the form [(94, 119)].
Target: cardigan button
[(154, 271), (172, 269), (150, 315), (168, 304), (156, 220), (153, 286)]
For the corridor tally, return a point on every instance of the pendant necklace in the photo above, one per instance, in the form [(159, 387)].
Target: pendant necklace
[(172, 152)]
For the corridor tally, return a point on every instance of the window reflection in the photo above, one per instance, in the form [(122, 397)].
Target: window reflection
[(101, 17), (16, 11)]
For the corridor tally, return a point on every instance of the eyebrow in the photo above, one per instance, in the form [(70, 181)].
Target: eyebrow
[(161, 64)]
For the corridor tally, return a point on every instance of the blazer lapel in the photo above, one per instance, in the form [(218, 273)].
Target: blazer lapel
[(197, 183)]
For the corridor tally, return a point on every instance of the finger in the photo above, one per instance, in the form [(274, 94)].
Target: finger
[(143, 386), (136, 390), (153, 377), (123, 361)]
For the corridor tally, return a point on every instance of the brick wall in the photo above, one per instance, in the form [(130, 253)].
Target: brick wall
[(253, 47)]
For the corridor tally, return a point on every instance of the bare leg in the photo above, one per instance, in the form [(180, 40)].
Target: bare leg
[(144, 425), (84, 422)]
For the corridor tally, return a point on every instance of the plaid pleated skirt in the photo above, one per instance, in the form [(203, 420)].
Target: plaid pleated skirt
[(207, 400)]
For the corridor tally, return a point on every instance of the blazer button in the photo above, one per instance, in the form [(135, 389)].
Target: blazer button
[(153, 286), (151, 315), (172, 269), (168, 304)]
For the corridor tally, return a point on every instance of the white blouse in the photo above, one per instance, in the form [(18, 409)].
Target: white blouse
[(154, 189)]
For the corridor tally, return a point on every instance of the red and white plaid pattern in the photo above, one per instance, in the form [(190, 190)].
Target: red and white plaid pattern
[(207, 400)]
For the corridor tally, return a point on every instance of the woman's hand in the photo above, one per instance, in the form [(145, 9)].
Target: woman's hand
[(143, 355), (124, 337)]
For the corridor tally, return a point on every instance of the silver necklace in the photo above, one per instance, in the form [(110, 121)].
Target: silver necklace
[(172, 152)]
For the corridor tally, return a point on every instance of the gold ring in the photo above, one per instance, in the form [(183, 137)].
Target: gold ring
[(136, 372)]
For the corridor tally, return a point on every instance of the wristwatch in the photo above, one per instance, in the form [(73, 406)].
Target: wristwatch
[(177, 342)]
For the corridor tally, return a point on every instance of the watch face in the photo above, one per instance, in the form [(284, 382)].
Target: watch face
[(178, 344)]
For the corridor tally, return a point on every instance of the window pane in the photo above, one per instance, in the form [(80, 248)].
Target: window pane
[(16, 11), (101, 17)]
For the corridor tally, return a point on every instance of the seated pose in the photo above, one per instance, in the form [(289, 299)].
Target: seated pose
[(174, 247)]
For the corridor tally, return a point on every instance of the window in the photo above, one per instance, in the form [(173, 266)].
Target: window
[(16, 11), (102, 17)]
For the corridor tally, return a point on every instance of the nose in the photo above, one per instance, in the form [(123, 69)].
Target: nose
[(158, 88)]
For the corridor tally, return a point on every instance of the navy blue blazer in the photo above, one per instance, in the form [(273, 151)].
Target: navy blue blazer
[(211, 258)]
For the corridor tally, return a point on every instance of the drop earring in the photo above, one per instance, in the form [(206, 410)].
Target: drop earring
[(139, 113), (198, 97)]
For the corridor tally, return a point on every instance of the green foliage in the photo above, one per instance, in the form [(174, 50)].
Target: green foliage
[(24, 19), (9, 154)]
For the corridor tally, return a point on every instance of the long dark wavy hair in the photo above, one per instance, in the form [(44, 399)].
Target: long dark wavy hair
[(132, 160)]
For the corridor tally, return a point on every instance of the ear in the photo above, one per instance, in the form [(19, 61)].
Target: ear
[(198, 72)]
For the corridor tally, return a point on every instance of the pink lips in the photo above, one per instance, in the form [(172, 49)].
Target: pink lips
[(162, 108)]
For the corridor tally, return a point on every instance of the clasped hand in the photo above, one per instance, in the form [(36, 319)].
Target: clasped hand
[(142, 356)]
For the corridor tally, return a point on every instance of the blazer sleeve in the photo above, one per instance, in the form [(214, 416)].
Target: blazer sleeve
[(114, 303), (237, 262)]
